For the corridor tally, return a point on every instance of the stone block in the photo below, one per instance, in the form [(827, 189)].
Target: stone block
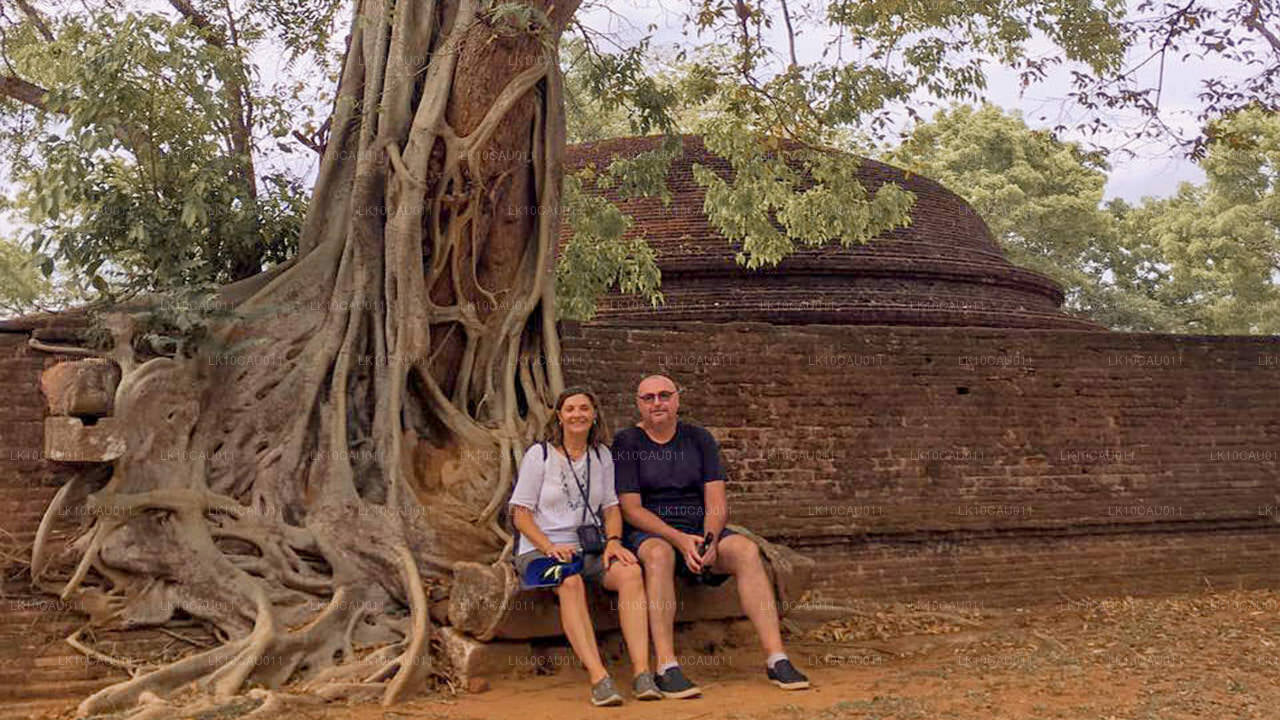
[(701, 642), (81, 387), (472, 659), (535, 613), (68, 439)]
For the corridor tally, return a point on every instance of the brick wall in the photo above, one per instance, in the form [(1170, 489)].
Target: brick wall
[(951, 465), (38, 670), (997, 467), (27, 480)]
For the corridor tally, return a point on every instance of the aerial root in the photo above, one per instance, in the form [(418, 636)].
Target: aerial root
[(228, 678), (160, 682), (270, 656), (134, 669), (415, 658)]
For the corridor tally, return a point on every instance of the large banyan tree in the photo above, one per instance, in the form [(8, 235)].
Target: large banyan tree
[(308, 492), (308, 476)]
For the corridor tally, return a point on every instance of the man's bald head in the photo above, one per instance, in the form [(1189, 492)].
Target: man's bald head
[(655, 383)]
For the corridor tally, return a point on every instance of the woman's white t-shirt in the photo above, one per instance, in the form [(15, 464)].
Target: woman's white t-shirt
[(548, 489)]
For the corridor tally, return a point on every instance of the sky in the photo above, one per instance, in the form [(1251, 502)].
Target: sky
[(1153, 170)]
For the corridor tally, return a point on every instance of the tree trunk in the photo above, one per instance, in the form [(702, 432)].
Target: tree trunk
[(307, 482)]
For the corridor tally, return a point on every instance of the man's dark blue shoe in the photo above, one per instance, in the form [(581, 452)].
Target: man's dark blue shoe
[(786, 676), (674, 684)]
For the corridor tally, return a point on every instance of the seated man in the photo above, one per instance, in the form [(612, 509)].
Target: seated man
[(672, 491)]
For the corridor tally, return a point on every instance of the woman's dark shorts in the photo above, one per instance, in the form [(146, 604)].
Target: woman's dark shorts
[(592, 565)]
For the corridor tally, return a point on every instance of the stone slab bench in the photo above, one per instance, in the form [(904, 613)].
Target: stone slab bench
[(492, 621)]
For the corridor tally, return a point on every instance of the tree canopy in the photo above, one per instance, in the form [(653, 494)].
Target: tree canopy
[(1202, 260), (148, 150), (1218, 243), (134, 143)]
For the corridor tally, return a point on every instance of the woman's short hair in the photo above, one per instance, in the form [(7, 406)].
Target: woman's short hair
[(599, 432)]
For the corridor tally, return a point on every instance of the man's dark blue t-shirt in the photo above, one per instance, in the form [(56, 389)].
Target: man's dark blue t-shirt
[(669, 476)]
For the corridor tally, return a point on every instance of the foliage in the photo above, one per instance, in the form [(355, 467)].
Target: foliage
[(600, 252), (1239, 35), (746, 97), (311, 501), (1204, 260), (1040, 196), (22, 284), (1221, 241), (135, 151), (877, 56), (792, 194)]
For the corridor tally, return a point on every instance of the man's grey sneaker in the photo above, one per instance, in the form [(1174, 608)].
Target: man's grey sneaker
[(674, 684), (605, 693), (786, 676), (645, 688)]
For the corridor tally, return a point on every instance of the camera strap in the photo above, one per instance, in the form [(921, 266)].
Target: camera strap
[(586, 494)]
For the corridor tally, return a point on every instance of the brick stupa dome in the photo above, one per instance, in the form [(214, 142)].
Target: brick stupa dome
[(943, 269)]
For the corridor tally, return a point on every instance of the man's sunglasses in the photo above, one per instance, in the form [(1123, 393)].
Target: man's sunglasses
[(664, 396)]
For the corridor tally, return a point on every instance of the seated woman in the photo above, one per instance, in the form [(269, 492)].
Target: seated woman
[(563, 484)]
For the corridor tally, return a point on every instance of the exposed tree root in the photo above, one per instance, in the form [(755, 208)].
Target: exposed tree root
[(306, 482), (14, 555)]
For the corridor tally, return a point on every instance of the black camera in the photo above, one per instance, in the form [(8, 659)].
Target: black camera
[(591, 537), (706, 573)]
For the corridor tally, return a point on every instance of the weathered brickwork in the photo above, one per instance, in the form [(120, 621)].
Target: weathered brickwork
[(1025, 568), (27, 480), (1011, 465), (38, 671), (944, 268), (922, 447)]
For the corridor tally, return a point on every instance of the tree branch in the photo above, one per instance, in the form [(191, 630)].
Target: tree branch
[(316, 147), (791, 33), (318, 140), (240, 112), (239, 116), (15, 88), (200, 21), (36, 19), (744, 14), (18, 89), (1253, 22)]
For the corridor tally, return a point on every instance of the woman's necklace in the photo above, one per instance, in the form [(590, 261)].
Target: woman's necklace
[(574, 454)]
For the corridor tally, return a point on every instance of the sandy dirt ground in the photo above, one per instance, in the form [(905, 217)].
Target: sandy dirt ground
[(1211, 655)]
